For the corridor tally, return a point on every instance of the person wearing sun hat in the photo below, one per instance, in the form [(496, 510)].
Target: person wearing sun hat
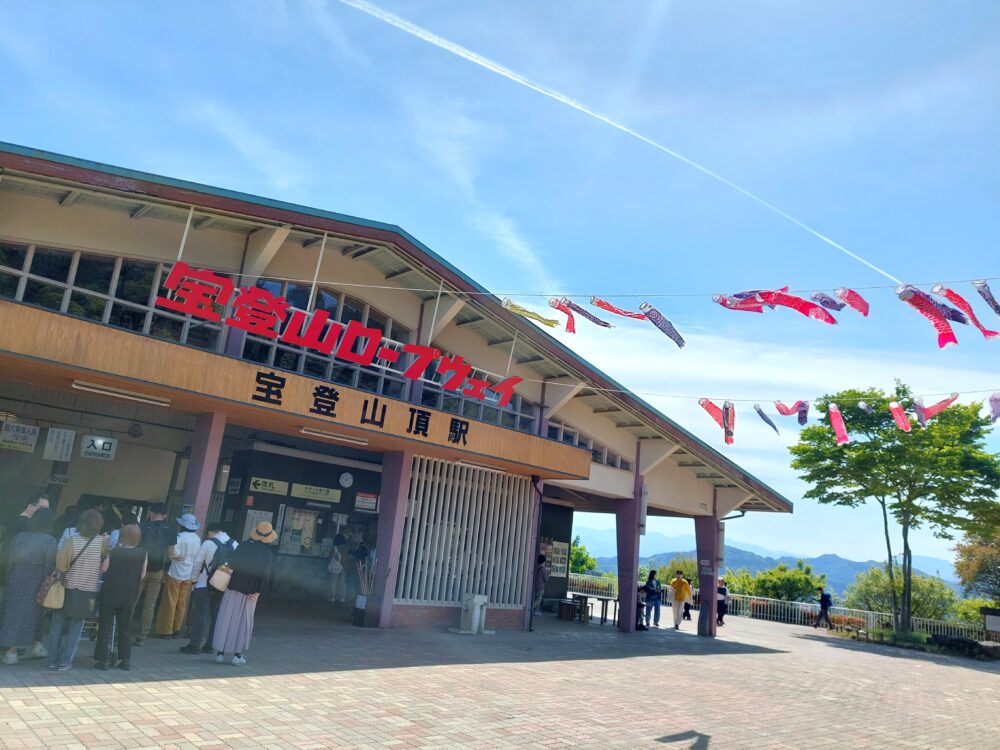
[(251, 564), (173, 606)]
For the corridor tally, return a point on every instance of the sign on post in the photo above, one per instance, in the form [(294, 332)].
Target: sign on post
[(59, 444), (269, 486), (99, 447), (18, 437)]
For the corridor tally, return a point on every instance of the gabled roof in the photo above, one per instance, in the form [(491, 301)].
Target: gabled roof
[(151, 192)]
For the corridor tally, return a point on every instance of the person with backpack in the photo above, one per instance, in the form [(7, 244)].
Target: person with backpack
[(158, 539), (825, 602), (216, 551)]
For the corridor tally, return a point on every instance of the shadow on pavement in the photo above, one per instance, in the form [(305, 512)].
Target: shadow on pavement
[(306, 642), (896, 652)]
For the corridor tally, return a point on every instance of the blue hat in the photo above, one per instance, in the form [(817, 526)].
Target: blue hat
[(189, 522)]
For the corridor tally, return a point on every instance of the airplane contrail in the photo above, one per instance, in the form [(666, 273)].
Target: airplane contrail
[(484, 62)]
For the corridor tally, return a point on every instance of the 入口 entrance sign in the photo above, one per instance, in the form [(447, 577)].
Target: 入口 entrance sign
[(269, 486), (18, 437), (59, 444), (99, 447), (311, 492)]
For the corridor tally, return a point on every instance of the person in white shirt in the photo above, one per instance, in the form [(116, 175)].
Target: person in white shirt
[(216, 549), (173, 606)]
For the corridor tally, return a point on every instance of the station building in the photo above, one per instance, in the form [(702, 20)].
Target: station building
[(119, 385)]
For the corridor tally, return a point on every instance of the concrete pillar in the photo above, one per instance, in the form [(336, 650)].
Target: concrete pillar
[(627, 528), (708, 532), (534, 529), (396, 467), (204, 462)]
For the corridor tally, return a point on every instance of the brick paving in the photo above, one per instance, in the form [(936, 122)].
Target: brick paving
[(309, 684)]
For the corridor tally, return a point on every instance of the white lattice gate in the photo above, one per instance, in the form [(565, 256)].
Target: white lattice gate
[(467, 530)]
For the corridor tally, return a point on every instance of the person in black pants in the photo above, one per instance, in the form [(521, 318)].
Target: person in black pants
[(126, 566), (825, 602)]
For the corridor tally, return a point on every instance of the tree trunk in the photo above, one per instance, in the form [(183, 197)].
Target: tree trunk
[(890, 564), (906, 607)]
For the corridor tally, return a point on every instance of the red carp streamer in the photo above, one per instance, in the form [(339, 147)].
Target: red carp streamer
[(598, 302), (799, 407), (853, 299), (720, 417), (570, 321), (926, 413), (902, 421), (803, 306), (741, 305), (837, 422), (962, 304), (919, 302)]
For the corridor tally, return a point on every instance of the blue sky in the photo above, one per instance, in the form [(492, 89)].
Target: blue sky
[(875, 124)]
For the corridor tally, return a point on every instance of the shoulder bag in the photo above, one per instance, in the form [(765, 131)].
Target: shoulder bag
[(52, 594)]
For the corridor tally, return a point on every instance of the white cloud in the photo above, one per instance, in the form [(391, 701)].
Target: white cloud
[(321, 19), (280, 167)]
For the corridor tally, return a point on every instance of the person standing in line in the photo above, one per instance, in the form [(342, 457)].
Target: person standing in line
[(251, 564), (158, 539), (682, 594), (216, 550), (32, 558), (541, 580), (127, 519), (80, 562), (825, 602), (125, 568), (178, 579), (65, 525), (652, 588), (721, 602)]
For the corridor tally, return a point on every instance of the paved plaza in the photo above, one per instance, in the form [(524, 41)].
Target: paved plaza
[(312, 685)]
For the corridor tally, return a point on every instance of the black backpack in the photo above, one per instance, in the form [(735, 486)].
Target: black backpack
[(223, 554), (156, 537)]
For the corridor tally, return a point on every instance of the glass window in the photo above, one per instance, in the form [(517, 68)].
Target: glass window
[(431, 398), (256, 351), (526, 424), (597, 454), (298, 296), (44, 295), (93, 272), (612, 459), (285, 359), (401, 333), (13, 255), (470, 409), (326, 300), (130, 318), (270, 285), (526, 407), (86, 306), (554, 431), (8, 285), (353, 309), (378, 320), (315, 367), (343, 375), (170, 329), (508, 420), (52, 264), (451, 404), (490, 414), (368, 381), (626, 465), (569, 437), (393, 388), (135, 281), (204, 336)]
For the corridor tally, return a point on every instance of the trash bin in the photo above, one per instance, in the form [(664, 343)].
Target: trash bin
[(473, 613)]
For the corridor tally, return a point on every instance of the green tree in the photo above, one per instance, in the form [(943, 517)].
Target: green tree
[(940, 477), (580, 561), (796, 584), (977, 563), (967, 611), (679, 562), (932, 597), (741, 581)]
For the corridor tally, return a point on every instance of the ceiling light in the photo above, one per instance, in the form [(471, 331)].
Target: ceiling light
[(332, 436), (108, 390)]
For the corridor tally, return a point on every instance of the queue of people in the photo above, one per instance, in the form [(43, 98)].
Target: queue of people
[(60, 574)]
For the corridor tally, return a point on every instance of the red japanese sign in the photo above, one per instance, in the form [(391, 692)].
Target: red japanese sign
[(205, 294)]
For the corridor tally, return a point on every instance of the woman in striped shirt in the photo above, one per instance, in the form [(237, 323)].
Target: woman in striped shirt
[(80, 561)]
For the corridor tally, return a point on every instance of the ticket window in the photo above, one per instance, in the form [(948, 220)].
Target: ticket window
[(299, 532)]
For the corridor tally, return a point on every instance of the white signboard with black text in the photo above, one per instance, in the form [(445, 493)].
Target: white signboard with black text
[(100, 447), (59, 444), (18, 437)]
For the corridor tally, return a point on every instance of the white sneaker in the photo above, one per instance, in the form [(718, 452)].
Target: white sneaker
[(220, 658), (10, 658), (39, 652), (239, 661)]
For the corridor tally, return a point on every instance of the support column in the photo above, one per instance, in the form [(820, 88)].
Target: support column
[(396, 467), (627, 528), (534, 533), (708, 535), (204, 462)]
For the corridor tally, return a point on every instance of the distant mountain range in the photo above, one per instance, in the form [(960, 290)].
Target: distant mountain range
[(658, 549)]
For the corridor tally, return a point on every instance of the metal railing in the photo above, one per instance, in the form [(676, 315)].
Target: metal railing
[(796, 613)]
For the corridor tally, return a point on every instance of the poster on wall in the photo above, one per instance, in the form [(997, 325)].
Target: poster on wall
[(18, 437), (560, 559), (366, 502), (59, 444)]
